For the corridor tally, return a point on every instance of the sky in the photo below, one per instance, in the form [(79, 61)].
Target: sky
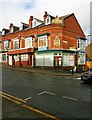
[(17, 11)]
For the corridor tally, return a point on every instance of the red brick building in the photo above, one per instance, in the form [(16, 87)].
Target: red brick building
[(55, 42)]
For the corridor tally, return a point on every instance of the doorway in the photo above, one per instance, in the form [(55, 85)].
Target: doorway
[(58, 62)]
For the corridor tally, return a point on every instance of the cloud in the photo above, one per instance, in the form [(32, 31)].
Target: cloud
[(20, 11)]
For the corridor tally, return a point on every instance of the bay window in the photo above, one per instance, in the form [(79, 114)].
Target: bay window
[(42, 41), (28, 42), (81, 44)]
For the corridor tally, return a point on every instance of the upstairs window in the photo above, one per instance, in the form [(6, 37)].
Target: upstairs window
[(3, 32), (34, 24), (16, 44), (81, 44), (6, 45), (42, 41), (21, 26), (48, 20), (28, 42)]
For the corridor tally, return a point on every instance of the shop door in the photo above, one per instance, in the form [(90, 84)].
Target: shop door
[(58, 62), (10, 60)]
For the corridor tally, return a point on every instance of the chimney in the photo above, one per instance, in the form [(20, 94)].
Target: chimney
[(45, 15), (30, 21), (10, 27)]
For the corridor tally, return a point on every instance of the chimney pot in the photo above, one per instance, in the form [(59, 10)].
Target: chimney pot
[(45, 15), (11, 24), (30, 21), (10, 27)]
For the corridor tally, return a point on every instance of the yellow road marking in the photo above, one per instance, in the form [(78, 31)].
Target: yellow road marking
[(10, 99), (13, 97), (20, 102), (40, 112)]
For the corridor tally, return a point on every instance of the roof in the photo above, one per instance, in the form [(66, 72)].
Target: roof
[(65, 16), (38, 20), (25, 24), (15, 28), (51, 16)]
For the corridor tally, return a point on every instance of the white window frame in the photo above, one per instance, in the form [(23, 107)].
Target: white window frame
[(68, 60), (48, 18), (82, 44), (42, 38), (81, 57), (34, 23), (3, 32), (16, 40), (6, 44), (24, 57), (5, 55), (27, 41), (21, 26)]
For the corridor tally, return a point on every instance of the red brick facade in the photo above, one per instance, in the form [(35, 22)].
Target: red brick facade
[(67, 34)]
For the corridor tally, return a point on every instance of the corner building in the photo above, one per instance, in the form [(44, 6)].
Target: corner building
[(55, 42)]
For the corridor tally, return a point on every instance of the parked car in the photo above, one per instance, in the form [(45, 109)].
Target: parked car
[(86, 76)]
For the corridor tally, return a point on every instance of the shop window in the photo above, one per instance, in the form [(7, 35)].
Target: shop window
[(81, 58), (68, 60), (4, 57), (16, 57), (24, 57)]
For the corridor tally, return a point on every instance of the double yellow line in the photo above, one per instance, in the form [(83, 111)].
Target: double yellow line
[(23, 104)]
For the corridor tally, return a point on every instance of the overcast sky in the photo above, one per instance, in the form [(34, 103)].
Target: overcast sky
[(20, 11)]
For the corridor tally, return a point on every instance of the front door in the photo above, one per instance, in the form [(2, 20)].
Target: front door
[(58, 62), (10, 60)]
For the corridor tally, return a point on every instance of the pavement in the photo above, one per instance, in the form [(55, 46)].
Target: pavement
[(43, 71)]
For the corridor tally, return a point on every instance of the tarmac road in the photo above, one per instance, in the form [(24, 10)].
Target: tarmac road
[(60, 96), (12, 110)]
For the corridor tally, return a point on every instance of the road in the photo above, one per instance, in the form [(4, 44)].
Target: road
[(61, 96), (12, 110)]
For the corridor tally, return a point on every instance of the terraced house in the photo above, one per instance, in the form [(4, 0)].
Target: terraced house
[(54, 42)]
